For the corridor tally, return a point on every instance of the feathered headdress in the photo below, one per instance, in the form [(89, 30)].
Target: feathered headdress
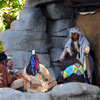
[(33, 66)]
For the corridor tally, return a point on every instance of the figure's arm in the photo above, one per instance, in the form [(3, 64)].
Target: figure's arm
[(10, 78), (63, 55), (86, 46), (67, 49), (44, 71), (86, 50), (68, 45)]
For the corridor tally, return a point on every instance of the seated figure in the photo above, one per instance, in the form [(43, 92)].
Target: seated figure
[(18, 82), (36, 77), (11, 70), (5, 78), (71, 71)]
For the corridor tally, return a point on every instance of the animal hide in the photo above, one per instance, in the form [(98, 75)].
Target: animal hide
[(89, 25)]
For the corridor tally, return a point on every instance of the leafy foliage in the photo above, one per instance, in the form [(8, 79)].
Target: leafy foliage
[(1, 47), (9, 10)]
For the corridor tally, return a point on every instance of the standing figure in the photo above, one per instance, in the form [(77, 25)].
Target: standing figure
[(78, 47)]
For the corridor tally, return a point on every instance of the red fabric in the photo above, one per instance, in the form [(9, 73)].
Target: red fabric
[(5, 50), (36, 65), (40, 62)]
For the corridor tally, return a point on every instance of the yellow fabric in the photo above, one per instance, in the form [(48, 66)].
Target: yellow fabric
[(44, 71)]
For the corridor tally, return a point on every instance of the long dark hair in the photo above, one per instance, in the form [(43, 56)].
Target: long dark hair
[(2, 58)]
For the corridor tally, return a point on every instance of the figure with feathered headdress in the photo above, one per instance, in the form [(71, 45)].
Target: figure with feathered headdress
[(36, 76)]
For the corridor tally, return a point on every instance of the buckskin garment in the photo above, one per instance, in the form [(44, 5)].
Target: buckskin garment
[(89, 25), (5, 78)]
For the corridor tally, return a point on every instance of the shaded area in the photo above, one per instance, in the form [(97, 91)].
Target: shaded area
[(85, 1)]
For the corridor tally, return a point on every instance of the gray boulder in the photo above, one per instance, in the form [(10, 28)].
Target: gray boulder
[(29, 19), (9, 94), (63, 33), (58, 42), (18, 24), (35, 96), (55, 54), (45, 59), (58, 25), (74, 91), (24, 41), (58, 10), (68, 91), (56, 69), (51, 71)]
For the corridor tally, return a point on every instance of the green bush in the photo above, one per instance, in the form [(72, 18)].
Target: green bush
[(9, 10)]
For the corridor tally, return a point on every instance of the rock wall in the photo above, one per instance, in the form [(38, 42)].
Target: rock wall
[(42, 25)]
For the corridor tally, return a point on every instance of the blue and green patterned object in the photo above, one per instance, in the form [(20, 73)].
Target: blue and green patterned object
[(73, 69)]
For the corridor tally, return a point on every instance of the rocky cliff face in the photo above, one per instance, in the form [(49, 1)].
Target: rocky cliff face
[(42, 25)]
